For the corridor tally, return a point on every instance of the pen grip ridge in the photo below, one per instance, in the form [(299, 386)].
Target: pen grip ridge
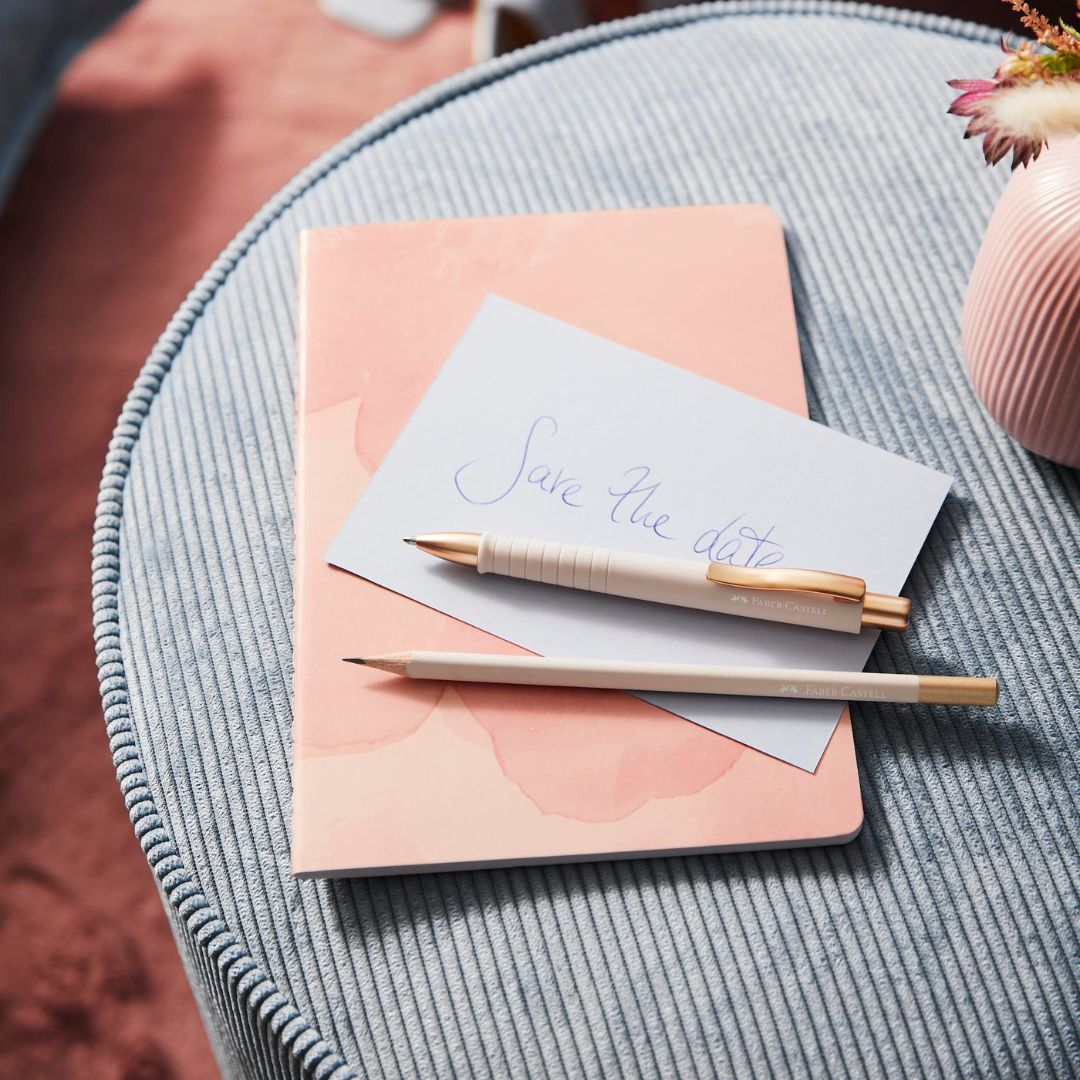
[(573, 566)]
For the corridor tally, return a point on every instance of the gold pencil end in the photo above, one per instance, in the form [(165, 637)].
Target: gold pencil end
[(957, 690)]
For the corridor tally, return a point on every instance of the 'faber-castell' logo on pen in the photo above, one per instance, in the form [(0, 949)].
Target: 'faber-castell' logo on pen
[(798, 606), (789, 688)]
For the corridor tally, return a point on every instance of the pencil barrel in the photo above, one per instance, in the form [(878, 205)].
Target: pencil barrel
[(666, 678)]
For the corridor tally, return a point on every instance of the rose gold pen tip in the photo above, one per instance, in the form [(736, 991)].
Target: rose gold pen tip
[(409, 540), (354, 660)]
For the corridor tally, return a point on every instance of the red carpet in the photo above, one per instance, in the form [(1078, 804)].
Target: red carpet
[(168, 135)]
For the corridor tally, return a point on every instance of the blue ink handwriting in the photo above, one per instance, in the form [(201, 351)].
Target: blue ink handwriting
[(632, 497), (637, 497), (547, 478)]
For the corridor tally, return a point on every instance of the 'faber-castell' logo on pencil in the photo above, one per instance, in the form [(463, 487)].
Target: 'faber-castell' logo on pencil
[(789, 688), (736, 598)]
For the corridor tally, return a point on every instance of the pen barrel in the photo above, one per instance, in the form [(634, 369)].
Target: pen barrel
[(659, 677), (658, 579)]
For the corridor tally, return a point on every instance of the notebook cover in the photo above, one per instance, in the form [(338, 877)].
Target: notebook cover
[(392, 776)]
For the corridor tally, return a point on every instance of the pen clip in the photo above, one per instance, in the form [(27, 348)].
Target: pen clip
[(838, 587)]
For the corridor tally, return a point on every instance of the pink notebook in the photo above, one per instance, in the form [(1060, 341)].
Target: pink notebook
[(396, 777)]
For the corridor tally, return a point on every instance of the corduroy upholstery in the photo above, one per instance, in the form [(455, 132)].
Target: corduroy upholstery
[(943, 941)]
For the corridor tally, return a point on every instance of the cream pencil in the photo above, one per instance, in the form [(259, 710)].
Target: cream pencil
[(687, 678)]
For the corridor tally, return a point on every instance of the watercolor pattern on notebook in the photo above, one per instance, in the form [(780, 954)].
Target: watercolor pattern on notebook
[(426, 777)]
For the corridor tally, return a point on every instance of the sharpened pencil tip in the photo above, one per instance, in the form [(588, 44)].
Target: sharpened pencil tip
[(409, 540), (354, 660)]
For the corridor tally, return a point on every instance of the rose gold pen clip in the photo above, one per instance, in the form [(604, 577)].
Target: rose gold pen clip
[(879, 612)]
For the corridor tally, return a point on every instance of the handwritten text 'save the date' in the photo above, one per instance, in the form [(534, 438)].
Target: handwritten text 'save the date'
[(634, 499)]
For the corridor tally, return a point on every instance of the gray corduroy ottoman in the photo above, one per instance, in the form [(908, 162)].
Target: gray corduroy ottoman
[(942, 942)]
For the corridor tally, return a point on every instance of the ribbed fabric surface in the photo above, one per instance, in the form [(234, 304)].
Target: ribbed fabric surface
[(942, 942)]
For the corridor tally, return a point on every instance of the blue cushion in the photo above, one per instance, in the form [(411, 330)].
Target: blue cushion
[(943, 941), (38, 38)]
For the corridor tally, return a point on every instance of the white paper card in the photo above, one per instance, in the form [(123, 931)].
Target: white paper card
[(538, 429)]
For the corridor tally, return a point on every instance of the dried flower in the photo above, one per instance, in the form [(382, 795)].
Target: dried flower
[(1034, 95)]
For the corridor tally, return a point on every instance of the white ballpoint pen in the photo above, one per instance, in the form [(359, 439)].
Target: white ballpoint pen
[(815, 598)]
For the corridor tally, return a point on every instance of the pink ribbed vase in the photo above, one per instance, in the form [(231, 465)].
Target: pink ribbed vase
[(1021, 329)]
